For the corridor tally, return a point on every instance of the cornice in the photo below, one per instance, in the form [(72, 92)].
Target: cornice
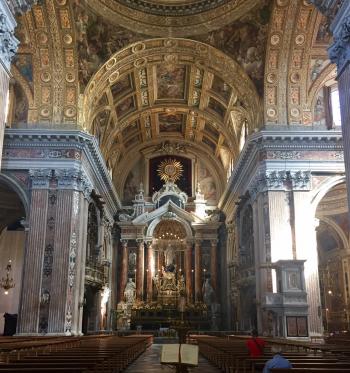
[(339, 51), (41, 138), (18, 7), (150, 7), (8, 41), (285, 145)]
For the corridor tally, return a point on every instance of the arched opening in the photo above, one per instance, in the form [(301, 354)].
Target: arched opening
[(169, 246), (94, 275), (12, 243), (334, 258)]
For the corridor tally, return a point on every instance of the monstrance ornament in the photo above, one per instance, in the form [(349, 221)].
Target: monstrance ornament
[(170, 170)]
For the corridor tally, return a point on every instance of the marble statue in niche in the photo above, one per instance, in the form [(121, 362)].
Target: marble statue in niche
[(208, 292), (169, 254), (130, 291)]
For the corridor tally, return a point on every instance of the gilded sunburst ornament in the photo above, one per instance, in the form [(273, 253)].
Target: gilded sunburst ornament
[(170, 170)]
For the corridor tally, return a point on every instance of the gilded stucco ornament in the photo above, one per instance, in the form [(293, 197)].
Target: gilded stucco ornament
[(151, 91), (293, 74)]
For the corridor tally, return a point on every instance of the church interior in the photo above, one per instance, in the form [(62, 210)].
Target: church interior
[(178, 162)]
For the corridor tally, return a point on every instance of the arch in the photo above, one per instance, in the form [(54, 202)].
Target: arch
[(338, 230), (19, 191), (152, 226), (323, 189)]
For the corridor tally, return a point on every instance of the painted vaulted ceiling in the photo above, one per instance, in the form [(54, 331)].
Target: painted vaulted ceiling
[(144, 75)]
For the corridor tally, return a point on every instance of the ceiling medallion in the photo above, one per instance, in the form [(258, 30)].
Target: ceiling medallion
[(170, 170)]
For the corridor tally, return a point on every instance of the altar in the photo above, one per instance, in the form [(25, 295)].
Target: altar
[(167, 254)]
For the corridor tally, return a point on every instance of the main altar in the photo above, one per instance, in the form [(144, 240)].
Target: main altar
[(169, 260)]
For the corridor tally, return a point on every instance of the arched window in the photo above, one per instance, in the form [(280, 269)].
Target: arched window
[(335, 106)]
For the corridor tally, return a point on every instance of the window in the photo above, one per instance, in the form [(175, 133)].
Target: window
[(335, 106)]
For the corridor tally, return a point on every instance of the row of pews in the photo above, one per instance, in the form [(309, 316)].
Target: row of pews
[(105, 353), (231, 356)]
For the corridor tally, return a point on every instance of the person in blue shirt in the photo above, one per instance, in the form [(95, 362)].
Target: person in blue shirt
[(278, 361)]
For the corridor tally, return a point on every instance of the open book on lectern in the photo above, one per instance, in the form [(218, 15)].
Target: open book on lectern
[(179, 354)]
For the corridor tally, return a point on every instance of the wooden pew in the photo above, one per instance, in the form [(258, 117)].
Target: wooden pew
[(111, 354)]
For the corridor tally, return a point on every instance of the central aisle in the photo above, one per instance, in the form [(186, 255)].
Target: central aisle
[(149, 362)]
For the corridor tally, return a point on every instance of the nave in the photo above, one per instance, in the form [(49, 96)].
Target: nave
[(137, 353)]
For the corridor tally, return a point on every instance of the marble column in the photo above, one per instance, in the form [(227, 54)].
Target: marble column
[(339, 53), (140, 270), (124, 269), (198, 271), (214, 267), (188, 272), (150, 271)]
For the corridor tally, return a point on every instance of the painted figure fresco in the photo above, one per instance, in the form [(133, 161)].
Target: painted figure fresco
[(206, 182), (320, 110), (171, 81), (24, 64), (171, 123), (97, 40), (245, 41), (324, 35), (125, 106), (132, 184)]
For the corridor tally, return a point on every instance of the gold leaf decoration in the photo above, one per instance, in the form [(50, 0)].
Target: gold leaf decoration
[(170, 170)]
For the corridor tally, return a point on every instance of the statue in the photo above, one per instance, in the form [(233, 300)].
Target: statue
[(129, 292), (169, 255), (208, 292)]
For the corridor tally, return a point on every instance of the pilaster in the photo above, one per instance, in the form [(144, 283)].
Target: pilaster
[(339, 53), (28, 320), (306, 249), (198, 271)]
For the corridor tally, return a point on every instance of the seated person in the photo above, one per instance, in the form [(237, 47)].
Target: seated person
[(255, 345), (278, 361)]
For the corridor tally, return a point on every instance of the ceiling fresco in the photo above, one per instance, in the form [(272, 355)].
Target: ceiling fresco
[(136, 75), (170, 89), (172, 18), (244, 40)]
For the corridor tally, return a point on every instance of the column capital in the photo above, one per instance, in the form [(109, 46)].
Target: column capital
[(279, 180), (124, 242), (140, 241), (41, 177), (339, 51), (300, 180), (214, 241), (71, 178), (8, 41)]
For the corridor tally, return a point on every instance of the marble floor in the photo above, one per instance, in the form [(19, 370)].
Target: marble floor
[(148, 362)]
